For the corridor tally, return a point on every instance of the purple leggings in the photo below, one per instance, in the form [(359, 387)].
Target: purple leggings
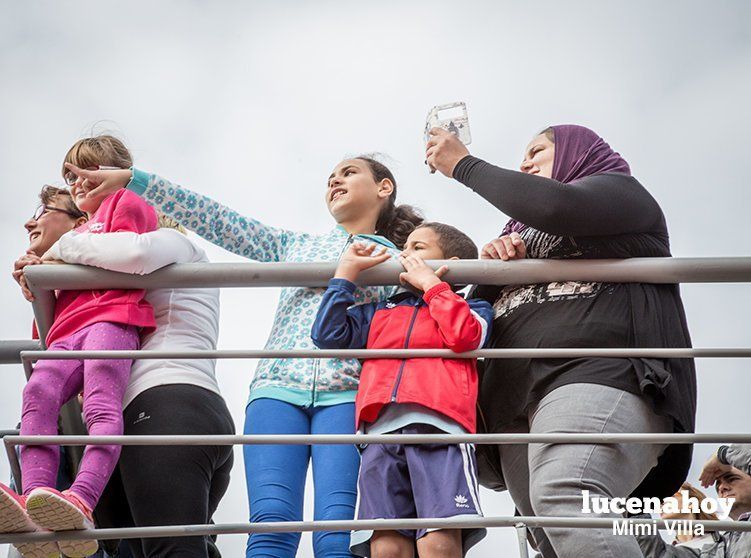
[(53, 383)]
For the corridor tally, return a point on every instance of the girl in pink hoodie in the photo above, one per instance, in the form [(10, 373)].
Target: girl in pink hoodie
[(84, 320)]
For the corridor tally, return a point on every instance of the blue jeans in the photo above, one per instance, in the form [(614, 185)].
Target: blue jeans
[(275, 475)]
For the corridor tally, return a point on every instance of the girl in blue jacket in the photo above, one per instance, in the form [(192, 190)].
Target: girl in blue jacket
[(293, 396)]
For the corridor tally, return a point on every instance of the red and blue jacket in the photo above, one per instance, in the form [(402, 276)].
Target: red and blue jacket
[(439, 319)]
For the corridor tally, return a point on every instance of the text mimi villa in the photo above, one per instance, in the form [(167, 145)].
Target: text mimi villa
[(674, 527)]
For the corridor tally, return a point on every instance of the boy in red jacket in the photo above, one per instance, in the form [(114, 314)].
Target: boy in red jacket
[(410, 396)]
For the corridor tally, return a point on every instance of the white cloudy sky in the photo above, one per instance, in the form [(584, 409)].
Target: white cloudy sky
[(254, 103)]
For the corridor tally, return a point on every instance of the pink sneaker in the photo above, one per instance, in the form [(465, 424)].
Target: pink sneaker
[(62, 511), (14, 519)]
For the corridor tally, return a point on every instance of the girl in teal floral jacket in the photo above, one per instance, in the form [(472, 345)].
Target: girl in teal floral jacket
[(293, 396)]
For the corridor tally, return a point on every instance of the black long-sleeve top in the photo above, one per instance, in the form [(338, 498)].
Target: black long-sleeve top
[(600, 205), (601, 216)]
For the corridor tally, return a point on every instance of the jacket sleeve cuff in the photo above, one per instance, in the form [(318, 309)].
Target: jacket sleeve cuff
[(342, 284), (722, 455), (434, 291), (139, 181)]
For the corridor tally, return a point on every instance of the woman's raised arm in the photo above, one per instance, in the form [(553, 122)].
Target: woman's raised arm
[(604, 204)]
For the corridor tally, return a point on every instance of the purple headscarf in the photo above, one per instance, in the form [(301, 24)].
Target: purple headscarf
[(579, 152)]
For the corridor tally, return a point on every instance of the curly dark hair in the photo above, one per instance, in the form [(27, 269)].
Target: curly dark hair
[(395, 221)]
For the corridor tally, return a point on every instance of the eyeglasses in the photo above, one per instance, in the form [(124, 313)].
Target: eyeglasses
[(70, 178), (44, 208)]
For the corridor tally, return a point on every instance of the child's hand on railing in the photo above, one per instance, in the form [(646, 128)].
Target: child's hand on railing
[(419, 274), (507, 247), (358, 258)]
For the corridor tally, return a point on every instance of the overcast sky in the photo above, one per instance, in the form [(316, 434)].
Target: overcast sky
[(255, 103)]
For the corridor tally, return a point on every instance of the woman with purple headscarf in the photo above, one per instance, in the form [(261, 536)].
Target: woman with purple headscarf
[(575, 198)]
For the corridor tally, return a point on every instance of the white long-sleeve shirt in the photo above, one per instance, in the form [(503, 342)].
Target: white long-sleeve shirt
[(185, 318)]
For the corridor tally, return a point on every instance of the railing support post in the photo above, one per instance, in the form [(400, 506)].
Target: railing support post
[(15, 465), (521, 534)]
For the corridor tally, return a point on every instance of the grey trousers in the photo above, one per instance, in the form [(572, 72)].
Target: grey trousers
[(548, 479)]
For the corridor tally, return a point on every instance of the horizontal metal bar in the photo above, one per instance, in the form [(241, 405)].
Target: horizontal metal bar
[(389, 353), (346, 439), (317, 274), (352, 525), (10, 350), (43, 279)]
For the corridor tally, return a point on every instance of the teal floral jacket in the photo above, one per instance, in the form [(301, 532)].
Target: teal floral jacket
[(306, 382)]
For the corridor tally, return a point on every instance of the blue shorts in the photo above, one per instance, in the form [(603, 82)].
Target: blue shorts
[(417, 481)]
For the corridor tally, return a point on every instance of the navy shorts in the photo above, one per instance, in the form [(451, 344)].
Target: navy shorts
[(417, 481)]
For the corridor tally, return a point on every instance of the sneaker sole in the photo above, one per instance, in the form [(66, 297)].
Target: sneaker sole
[(38, 550), (13, 519), (54, 513)]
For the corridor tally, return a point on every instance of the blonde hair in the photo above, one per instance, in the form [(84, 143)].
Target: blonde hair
[(165, 222), (700, 497), (103, 149)]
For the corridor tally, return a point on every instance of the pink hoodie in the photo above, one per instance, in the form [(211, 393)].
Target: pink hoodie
[(121, 211)]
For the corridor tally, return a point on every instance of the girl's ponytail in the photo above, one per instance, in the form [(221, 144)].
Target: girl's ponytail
[(395, 222)]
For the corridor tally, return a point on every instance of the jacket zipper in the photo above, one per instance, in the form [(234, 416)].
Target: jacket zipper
[(315, 379), (316, 367), (406, 346), (349, 238)]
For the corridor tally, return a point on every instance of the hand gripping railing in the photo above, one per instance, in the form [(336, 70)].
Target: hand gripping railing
[(42, 279)]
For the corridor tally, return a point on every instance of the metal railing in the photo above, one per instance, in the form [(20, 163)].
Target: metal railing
[(43, 279), (349, 525)]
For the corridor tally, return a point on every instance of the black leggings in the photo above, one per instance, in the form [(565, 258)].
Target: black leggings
[(175, 485)]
